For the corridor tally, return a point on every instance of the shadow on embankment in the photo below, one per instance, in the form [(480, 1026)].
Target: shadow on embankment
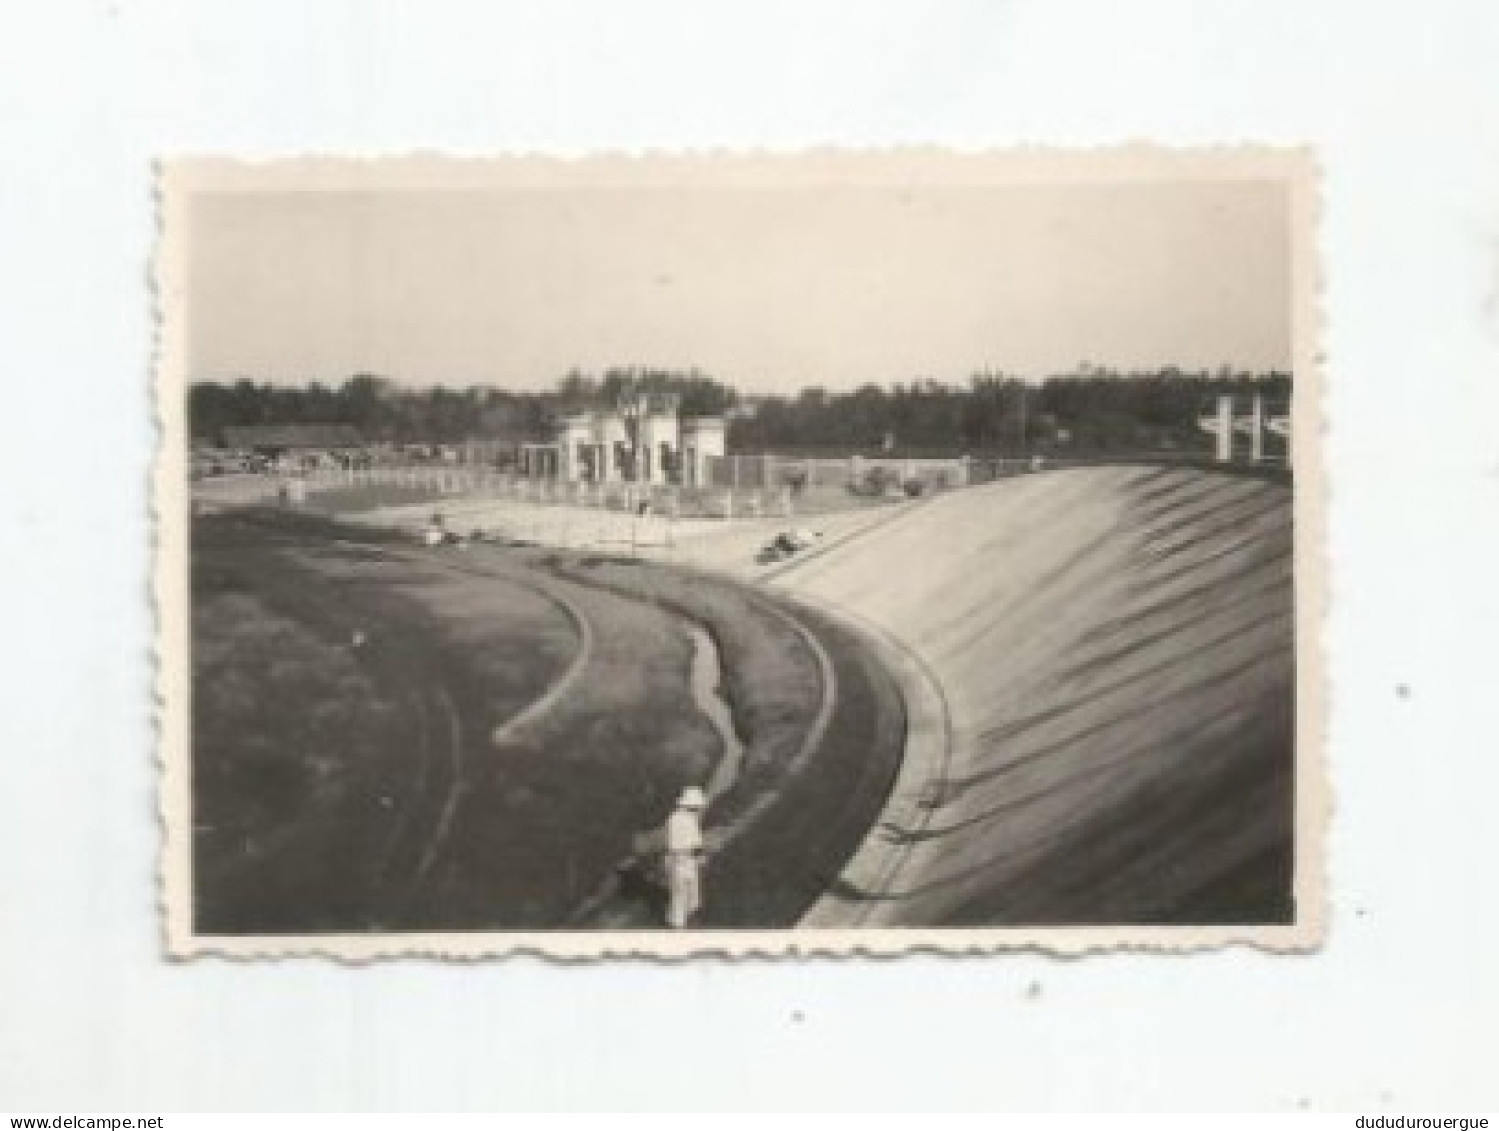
[(1115, 646)]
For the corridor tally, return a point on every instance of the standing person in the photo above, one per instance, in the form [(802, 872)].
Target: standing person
[(684, 857)]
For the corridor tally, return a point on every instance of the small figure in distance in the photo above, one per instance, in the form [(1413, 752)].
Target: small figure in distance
[(1037, 463), (684, 857)]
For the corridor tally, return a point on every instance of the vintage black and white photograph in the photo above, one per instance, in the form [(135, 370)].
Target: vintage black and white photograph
[(701, 553)]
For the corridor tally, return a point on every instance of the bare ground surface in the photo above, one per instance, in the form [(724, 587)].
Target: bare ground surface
[(361, 815), (784, 830), (1113, 654)]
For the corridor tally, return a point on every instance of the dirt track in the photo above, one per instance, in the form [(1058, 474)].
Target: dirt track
[(435, 824)]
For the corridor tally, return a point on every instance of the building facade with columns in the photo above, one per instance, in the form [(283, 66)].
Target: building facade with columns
[(598, 447)]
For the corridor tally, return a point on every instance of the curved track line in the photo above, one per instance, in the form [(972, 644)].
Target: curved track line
[(716, 837), (403, 818), (892, 856), (827, 675), (506, 731), (502, 734), (858, 534), (925, 763), (706, 683), (811, 739)]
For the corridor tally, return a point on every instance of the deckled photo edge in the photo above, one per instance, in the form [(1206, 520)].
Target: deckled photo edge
[(177, 178)]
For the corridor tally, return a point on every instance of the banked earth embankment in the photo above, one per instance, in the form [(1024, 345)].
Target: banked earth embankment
[(1113, 651)]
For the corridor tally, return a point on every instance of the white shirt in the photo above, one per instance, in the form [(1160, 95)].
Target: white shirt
[(683, 833)]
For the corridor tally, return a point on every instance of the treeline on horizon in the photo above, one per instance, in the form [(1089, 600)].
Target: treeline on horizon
[(1090, 409)]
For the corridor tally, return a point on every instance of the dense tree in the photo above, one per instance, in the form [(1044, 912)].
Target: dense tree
[(1093, 409)]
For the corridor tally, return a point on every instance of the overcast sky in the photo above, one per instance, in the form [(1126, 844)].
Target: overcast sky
[(768, 289)]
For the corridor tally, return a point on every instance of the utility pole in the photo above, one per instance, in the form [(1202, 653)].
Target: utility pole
[(1221, 425), (631, 405)]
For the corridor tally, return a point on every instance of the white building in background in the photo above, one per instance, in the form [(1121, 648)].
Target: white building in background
[(597, 447)]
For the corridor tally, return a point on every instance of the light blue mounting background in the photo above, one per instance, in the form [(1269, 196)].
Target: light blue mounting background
[(1401, 98)]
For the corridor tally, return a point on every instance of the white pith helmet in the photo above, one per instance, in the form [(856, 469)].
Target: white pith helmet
[(692, 798)]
